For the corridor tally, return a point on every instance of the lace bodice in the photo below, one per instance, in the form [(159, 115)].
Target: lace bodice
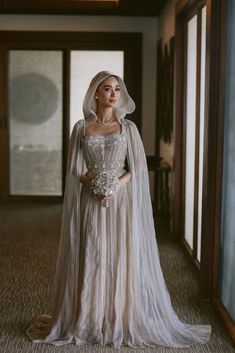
[(105, 153)]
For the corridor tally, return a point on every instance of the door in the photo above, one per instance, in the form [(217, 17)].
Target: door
[(189, 127), (35, 120), (45, 83), (194, 116)]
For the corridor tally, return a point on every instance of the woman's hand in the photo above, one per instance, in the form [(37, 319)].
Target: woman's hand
[(85, 180), (108, 197), (125, 178), (122, 181), (103, 197)]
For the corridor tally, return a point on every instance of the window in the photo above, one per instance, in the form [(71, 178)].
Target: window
[(194, 130)]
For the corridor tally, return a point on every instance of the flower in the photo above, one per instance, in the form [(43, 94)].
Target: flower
[(104, 183)]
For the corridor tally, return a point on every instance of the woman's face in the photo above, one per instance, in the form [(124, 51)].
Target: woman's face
[(108, 92)]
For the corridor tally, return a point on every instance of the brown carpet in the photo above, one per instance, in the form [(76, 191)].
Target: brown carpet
[(29, 237)]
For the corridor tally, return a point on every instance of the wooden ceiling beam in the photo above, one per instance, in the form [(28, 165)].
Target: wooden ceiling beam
[(83, 7)]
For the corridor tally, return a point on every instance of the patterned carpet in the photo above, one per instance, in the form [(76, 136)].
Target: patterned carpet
[(29, 237)]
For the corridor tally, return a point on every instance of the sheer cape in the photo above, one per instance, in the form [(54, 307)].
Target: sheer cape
[(151, 318), (156, 323)]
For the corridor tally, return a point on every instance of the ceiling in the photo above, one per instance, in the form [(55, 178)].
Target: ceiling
[(140, 7), (84, 7)]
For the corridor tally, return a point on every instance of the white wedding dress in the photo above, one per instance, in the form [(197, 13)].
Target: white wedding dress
[(109, 286)]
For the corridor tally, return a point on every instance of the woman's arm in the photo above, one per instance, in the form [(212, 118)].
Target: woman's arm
[(84, 179), (125, 178), (122, 181)]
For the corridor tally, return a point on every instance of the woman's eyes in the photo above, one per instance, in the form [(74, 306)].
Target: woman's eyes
[(109, 89)]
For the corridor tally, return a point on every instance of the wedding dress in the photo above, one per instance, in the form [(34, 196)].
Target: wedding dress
[(109, 286)]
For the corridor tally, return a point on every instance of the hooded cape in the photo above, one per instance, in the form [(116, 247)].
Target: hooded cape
[(159, 323)]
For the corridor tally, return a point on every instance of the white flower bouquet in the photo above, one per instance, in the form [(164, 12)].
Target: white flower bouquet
[(105, 183)]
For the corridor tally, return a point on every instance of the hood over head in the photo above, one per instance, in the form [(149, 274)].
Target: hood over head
[(124, 106)]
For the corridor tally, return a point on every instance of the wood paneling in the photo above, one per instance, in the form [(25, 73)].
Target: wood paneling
[(178, 122), (83, 7), (210, 146), (225, 317), (4, 161)]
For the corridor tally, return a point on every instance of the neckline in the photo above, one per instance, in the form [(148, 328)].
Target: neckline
[(109, 135)]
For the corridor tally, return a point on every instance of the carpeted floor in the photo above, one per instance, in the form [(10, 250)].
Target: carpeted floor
[(29, 237)]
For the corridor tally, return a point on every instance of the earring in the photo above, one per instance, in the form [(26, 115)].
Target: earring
[(96, 97)]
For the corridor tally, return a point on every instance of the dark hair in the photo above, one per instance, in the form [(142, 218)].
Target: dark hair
[(106, 79)]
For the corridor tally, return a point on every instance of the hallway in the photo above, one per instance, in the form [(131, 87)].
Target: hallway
[(29, 236)]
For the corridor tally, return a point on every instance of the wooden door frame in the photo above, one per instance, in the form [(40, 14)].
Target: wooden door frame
[(184, 11), (130, 43), (216, 49), (191, 12)]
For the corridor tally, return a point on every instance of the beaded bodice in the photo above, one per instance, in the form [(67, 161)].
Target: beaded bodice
[(105, 153)]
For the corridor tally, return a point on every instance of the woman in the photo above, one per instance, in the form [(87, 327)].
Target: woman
[(109, 286)]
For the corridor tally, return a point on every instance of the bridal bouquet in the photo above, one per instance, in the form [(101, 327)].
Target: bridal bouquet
[(104, 183)]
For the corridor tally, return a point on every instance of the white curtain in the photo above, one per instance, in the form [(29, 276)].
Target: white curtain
[(227, 279)]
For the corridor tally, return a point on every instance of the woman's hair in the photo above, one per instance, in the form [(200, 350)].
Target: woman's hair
[(105, 79), (125, 104)]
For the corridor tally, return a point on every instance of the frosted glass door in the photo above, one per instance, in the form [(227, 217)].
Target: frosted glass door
[(35, 116), (85, 64)]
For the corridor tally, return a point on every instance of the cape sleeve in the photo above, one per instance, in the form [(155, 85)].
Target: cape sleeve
[(141, 213), (137, 163), (67, 270), (148, 285), (147, 271), (57, 327)]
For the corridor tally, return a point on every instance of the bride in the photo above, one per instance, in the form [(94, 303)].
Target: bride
[(109, 286)]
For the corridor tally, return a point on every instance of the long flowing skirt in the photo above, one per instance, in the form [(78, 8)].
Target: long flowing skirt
[(122, 297)]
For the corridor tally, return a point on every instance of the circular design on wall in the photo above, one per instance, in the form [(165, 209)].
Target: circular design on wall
[(33, 98)]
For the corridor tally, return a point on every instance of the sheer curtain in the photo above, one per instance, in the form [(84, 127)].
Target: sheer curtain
[(227, 265)]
